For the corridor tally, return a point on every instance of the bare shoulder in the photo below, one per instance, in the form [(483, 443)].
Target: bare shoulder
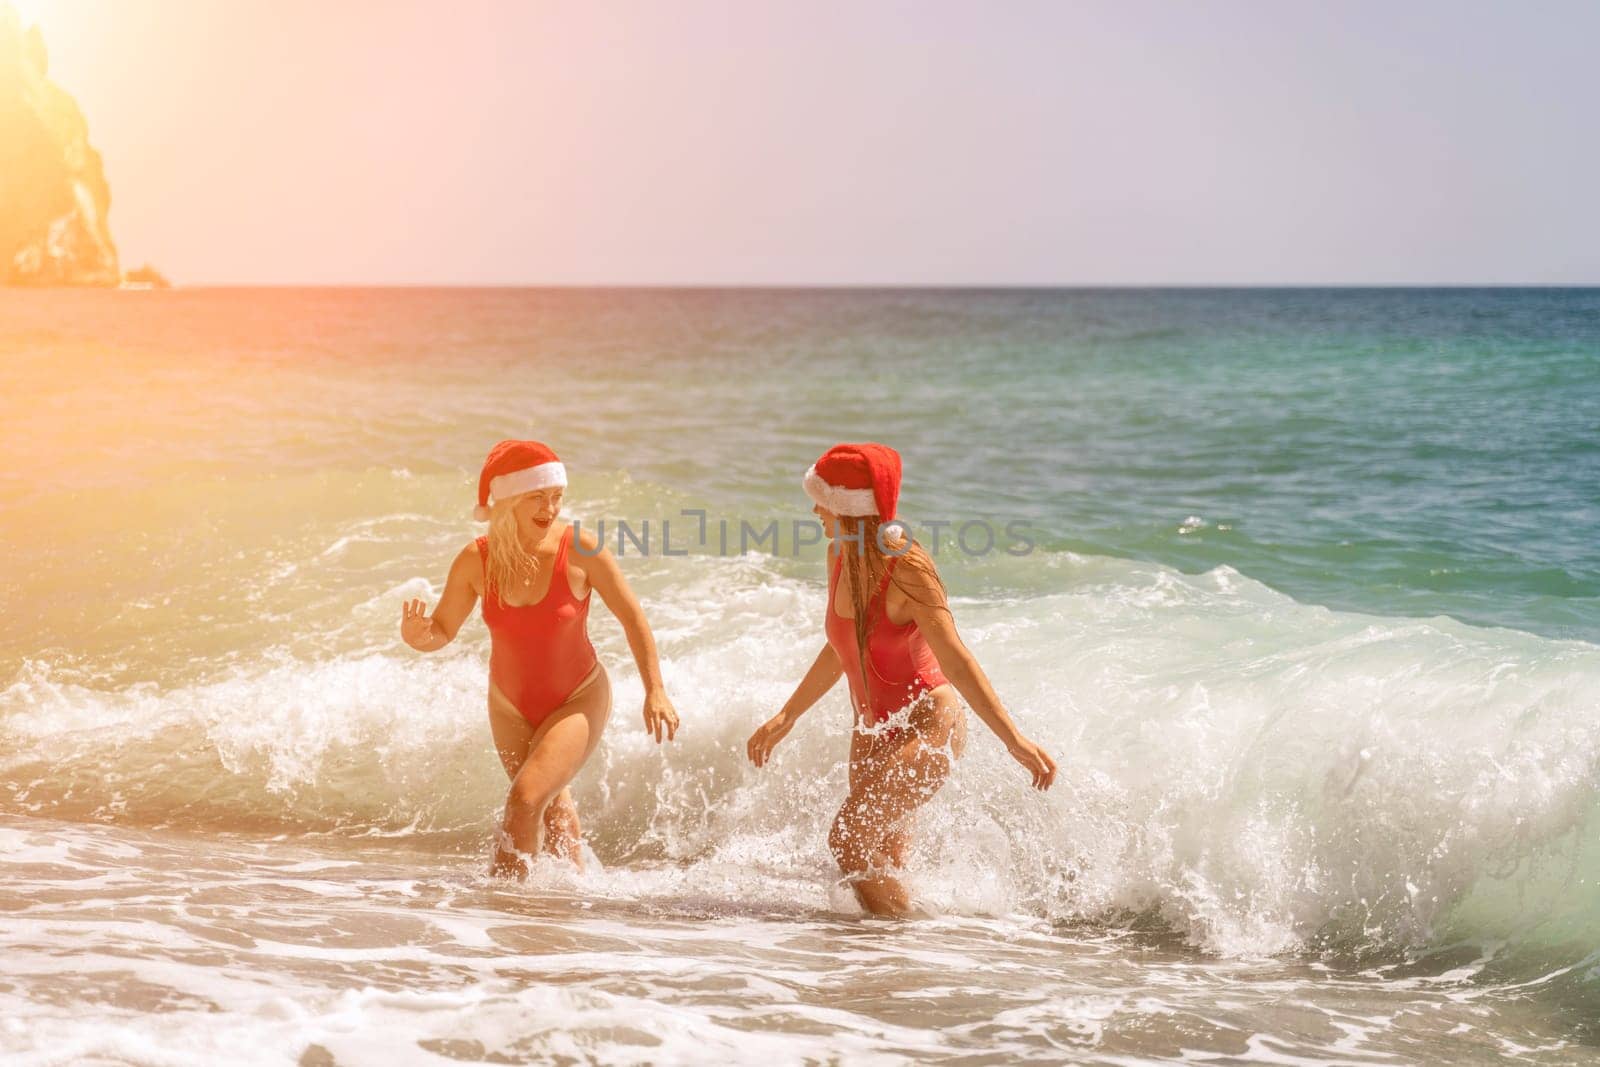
[(587, 542), (468, 565), (589, 554), (918, 578)]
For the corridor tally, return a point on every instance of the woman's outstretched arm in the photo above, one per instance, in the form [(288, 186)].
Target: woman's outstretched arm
[(825, 671), (605, 576), (929, 608), (427, 633)]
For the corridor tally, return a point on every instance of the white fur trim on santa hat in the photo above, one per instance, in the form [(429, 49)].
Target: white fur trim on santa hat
[(840, 501), (544, 476)]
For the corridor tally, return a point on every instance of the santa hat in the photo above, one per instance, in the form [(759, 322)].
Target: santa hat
[(856, 480), (516, 467)]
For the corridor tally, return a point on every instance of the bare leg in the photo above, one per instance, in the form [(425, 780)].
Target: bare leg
[(887, 783), (513, 739), (868, 760), (562, 834), (539, 813)]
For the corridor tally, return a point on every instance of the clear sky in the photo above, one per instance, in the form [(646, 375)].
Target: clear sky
[(843, 141)]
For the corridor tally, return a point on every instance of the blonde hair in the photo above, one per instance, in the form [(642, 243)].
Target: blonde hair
[(509, 564), (862, 556)]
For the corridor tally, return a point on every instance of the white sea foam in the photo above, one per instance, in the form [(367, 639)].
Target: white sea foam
[(1262, 775)]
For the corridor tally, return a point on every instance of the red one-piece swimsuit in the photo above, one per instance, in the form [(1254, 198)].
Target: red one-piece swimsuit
[(539, 653), (901, 665)]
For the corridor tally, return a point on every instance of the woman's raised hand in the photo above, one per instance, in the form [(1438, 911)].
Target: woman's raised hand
[(1035, 760), (765, 739), (415, 625)]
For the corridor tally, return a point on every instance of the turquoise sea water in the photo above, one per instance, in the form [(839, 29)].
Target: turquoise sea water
[(1401, 451), (1310, 618)]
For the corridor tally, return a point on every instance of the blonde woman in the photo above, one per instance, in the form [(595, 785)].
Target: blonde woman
[(549, 697)]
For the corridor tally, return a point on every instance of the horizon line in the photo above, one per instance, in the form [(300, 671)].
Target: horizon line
[(855, 286)]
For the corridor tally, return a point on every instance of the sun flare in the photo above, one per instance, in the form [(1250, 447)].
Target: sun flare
[(32, 11)]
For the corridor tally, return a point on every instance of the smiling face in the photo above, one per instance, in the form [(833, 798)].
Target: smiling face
[(535, 512)]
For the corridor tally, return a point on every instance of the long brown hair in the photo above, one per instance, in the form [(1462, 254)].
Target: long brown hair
[(860, 544)]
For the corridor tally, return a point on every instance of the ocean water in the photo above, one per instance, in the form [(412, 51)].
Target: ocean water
[(1301, 587)]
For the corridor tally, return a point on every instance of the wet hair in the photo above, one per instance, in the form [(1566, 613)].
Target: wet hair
[(865, 563)]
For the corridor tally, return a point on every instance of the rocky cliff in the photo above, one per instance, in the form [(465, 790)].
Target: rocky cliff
[(53, 191)]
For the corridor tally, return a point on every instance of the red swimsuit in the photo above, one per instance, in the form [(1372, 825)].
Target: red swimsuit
[(903, 667), (539, 653)]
